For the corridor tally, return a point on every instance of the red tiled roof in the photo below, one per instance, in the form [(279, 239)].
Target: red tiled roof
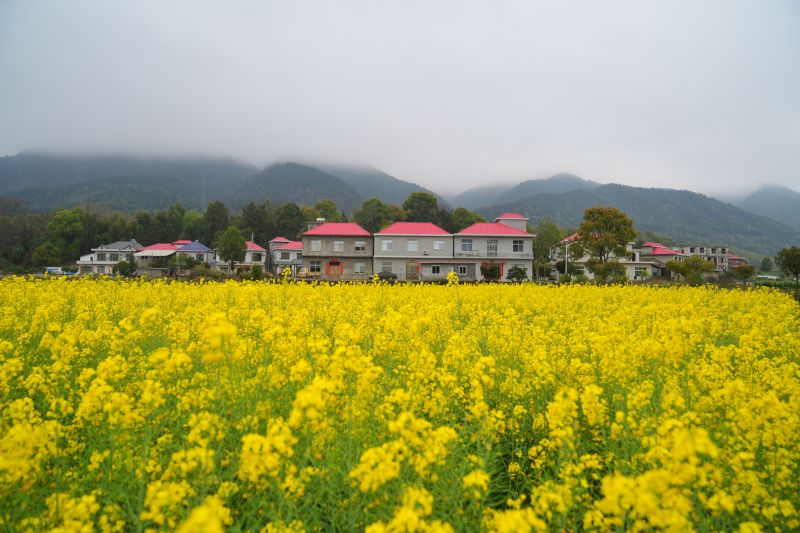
[(339, 228), (492, 228), (253, 247), (292, 245), (664, 251), (652, 245), (412, 228), (280, 238), (571, 238), (160, 246), (737, 258), (181, 242), (510, 215)]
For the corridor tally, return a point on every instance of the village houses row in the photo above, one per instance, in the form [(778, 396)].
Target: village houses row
[(409, 251)]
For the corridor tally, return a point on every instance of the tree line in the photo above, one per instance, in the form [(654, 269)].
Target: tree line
[(34, 240)]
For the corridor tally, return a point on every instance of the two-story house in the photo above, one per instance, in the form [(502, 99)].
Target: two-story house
[(254, 255), (337, 251), (493, 242), (154, 260), (414, 251), (287, 255), (105, 257), (716, 254)]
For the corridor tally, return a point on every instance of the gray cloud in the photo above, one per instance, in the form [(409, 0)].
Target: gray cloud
[(449, 94)]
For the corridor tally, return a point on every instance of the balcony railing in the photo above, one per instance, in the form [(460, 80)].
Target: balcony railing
[(481, 253)]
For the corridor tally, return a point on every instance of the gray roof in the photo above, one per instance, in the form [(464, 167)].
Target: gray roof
[(121, 245)]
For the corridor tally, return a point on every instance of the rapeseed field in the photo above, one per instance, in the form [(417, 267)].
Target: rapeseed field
[(146, 405)]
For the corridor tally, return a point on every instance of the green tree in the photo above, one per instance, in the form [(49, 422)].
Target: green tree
[(67, 231), (692, 269), (605, 231), (215, 219), (517, 273), (766, 265), (462, 218), (490, 271), (788, 260), (258, 220), (46, 254), (327, 209), (373, 215), (231, 245), (421, 207), (603, 234), (744, 272), (170, 223), (289, 220), (546, 236), (125, 268), (192, 226)]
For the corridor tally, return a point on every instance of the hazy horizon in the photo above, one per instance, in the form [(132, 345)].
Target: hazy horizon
[(448, 95)]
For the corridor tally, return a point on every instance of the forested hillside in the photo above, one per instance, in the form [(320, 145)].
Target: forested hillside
[(685, 216), (779, 203)]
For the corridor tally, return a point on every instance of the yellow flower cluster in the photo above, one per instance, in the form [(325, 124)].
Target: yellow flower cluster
[(151, 406)]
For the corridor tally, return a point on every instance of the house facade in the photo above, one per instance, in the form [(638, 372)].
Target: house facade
[(154, 260), (254, 255), (414, 251), (163, 259), (287, 255), (105, 257), (336, 251), (492, 242), (196, 251), (716, 254), (642, 263)]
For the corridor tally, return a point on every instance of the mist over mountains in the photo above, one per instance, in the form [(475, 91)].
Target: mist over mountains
[(759, 224)]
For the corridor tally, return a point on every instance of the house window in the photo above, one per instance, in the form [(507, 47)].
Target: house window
[(438, 246), (386, 245), (462, 270), (316, 246), (113, 257), (412, 245), (315, 266), (466, 245), (338, 246), (491, 248), (101, 270), (386, 266), (257, 257), (639, 272), (284, 256), (360, 268), (200, 257), (361, 246), (101, 257), (518, 245), (436, 269)]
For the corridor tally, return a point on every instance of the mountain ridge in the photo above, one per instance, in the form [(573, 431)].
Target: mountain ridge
[(686, 216), (774, 201)]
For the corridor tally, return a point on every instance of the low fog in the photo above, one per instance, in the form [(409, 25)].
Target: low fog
[(450, 95)]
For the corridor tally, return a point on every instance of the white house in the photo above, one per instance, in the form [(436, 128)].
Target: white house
[(716, 254), (287, 255), (105, 257)]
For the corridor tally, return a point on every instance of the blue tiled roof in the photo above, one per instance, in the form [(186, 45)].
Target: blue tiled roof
[(194, 247)]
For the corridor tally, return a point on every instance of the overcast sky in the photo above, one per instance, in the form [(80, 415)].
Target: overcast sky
[(698, 95)]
